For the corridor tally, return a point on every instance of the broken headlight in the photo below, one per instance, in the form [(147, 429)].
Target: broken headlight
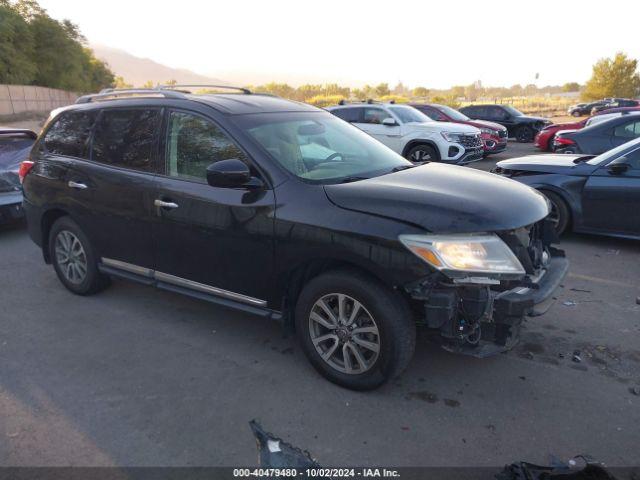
[(463, 254)]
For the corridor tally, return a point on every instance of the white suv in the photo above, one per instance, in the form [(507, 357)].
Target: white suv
[(412, 134)]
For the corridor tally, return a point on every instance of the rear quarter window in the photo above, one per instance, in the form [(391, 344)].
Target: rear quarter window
[(69, 134)]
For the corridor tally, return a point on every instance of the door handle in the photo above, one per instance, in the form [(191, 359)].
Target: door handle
[(79, 186), (159, 203)]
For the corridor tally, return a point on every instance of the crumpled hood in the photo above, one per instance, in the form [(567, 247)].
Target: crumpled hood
[(445, 126), (444, 199), (551, 163)]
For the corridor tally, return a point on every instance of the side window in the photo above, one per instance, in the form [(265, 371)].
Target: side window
[(375, 115), (126, 138), (432, 113), (69, 135), (496, 113), (633, 159), (351, 115), (194, 143), (629, 130)]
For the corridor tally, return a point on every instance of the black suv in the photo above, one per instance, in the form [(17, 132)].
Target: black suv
[(519, 126), (285, 211)]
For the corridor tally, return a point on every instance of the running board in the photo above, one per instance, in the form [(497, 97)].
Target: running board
[(165, 281)]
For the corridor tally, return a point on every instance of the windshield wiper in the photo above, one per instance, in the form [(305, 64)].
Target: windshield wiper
[(352, 179), (401, 167)]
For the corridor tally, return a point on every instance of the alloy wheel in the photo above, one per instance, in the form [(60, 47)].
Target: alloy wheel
[(71, 257), (420, 156), (344, 333)]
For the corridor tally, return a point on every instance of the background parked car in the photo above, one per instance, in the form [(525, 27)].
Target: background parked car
[(583, 108), (588, 194), (619, 102), (599, 137), (519, 125), (545, 138), (494, 135), (618, 110), (15, 145), (412, 134)]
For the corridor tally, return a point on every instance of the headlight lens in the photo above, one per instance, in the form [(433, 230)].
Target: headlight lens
[(452, 137), (488, 131), (486, 254)]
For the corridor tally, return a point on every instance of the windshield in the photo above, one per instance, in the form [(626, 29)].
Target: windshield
[(611, 154), (321, 148), (453, 114), (409, 114), (513, 111)]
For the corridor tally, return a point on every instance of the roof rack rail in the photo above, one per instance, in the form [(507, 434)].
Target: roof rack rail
[(115, 93), (368, 101), (246, 91)]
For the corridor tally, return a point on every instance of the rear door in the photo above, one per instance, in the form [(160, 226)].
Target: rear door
[(611, 201), (112, 192), (219, 238)]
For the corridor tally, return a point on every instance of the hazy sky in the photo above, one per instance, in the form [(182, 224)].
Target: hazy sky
[(434, 44)]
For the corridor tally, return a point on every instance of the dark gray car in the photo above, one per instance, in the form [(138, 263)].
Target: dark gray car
[(15, 145), (599, 138)]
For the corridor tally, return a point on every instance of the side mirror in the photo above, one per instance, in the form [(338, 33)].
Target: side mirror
[(231, 173), (618, 166), (389, 122)]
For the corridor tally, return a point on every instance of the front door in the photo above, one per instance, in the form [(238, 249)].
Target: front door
[(390, 135), (218, 237), (610, 200)]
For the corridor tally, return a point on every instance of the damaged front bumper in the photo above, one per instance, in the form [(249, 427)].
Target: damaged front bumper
[(483, 320)]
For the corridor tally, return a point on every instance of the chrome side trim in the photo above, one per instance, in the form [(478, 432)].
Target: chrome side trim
[(201, 287), (129, 267), (182, 282)]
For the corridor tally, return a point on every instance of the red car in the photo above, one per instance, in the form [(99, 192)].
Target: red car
[(544, 138), (494, 135)]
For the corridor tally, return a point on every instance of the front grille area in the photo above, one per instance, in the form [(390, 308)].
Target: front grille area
[(470, 140), (529, 243)]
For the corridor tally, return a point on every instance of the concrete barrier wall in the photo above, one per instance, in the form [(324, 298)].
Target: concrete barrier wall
[(23, 99)]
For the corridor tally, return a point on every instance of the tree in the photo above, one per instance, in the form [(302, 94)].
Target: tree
[(457, 91), (382, 89), (147, 84), (420, 92), (35, 49), (16, 47), (119, 82), (571, 87), (613, 77)]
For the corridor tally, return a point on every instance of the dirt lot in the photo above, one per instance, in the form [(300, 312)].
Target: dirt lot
[(137, 376)]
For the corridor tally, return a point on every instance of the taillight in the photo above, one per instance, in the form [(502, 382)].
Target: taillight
[(25, 167), (563, 141)]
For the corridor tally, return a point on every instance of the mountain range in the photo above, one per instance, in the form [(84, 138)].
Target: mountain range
[(137, 71)]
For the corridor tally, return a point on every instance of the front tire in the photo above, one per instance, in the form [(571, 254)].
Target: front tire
[(560, 214), (354, 331), (74, 259), (422, 153), (524, 134)]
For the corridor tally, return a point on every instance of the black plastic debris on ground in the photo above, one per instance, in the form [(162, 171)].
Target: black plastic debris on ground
[(591, 470), (273, 452)]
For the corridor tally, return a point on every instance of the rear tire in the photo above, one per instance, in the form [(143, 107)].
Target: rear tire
[(74, 259), (560, 214), (422, 153), (325, 337), (524, 134)]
